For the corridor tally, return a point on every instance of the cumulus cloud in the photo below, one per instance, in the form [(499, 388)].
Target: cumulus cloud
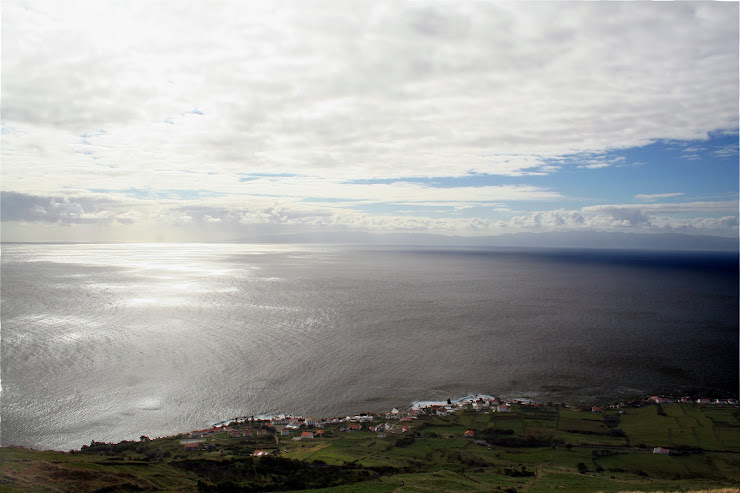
[(152, 219), (689, 217), (61, 210)]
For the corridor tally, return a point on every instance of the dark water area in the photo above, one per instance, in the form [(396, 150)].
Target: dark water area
[(109, 342)]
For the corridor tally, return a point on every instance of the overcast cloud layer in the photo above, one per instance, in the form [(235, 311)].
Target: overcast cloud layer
[(225, 120)]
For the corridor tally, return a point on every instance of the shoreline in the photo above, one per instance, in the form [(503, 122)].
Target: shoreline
[(479, 402), (415, 407)]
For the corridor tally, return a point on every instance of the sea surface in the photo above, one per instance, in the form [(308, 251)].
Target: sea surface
[(114, 341)]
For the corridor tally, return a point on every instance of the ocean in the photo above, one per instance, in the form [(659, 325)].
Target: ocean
[(109, 342)]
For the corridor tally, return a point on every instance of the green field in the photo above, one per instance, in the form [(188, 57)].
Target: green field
[(529, 449)]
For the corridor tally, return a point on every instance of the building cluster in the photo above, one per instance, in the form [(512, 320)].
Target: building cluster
[(661, 399), (395, 421)]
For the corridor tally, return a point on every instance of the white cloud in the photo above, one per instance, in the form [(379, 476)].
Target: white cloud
[(245, 105), (649, 197), (595, 165), (146, 220), (680, 207), (363, 89), (727, 151)]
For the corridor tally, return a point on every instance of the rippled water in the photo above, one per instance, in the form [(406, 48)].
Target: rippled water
[(109, 342)]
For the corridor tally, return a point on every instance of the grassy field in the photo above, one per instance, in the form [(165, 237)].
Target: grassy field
[(529, 449)]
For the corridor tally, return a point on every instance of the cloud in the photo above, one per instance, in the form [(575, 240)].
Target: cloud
[(651, 218), (678, 207), (727, 151), (251, 116), (657, 196), (595, 165), (146, 219), (60, 210), (689, 217), (368, 88)]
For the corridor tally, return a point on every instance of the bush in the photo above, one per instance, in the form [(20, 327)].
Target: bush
[(518, 473), (405, 441)]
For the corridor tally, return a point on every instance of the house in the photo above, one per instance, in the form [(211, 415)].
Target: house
[(469, 434), (661, 450), (504, 408), (311, 421), (306, 435), (201, 433), (260, 453), (354, 427), (479, 405), (320, 433), (191, 446), (285, 431), (597, 409), (703, 401)]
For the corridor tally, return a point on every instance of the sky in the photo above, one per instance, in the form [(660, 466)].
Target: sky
[(235, 121)]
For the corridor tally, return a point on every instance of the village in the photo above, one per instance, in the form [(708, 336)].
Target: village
[(397, 422)]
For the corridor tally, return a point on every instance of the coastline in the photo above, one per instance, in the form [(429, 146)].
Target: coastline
[(477, 442), (477, 401)]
